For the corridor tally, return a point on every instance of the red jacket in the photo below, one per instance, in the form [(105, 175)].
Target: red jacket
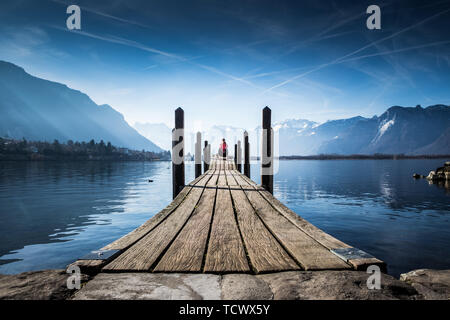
[(223, 146)]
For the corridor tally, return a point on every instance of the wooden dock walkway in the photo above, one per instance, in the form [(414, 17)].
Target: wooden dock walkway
[(222, 222)]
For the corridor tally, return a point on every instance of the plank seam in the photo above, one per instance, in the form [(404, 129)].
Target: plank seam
[(252, 268), (162, 220), (273, 235), (288, 218), (202, 268), (290, 221), (210, 228), (125, 248), (163, 252), (270, 231)]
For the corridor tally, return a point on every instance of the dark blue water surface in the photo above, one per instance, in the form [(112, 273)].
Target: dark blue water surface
[(52, 213)]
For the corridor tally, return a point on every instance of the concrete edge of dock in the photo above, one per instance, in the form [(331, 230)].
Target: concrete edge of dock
[(421, 284)]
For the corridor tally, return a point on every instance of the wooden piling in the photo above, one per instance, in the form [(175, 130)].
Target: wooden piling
[(235, 155), (178, 153), (239, 156), (198, 155), (208, 155), (267, 152), (205, 157), (246, 155)]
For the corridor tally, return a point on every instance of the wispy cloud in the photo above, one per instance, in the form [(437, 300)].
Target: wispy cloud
[(224, 74), (27, 41), (389, 52), (343, 58), (324, 34), (105, 15), (134, 44)]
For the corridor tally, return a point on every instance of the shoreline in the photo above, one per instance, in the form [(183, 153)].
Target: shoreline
[(287, 158), (84, 160), (419, 284)]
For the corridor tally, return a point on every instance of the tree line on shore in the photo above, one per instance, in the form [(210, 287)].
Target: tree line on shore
[(11, 149)]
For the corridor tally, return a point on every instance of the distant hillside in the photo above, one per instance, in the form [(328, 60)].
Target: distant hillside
[(23, 150), (42, 110), (159, 133)]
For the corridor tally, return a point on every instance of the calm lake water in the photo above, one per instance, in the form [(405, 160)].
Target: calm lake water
[(51, 213)]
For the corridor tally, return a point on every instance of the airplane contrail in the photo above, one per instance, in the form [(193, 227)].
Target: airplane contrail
[(432, 44), (106, 15), (137, 45), (356, 51)]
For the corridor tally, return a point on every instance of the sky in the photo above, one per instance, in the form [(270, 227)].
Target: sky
[(223, 61)]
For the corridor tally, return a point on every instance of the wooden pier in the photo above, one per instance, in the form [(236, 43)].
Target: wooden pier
[(223, 222)]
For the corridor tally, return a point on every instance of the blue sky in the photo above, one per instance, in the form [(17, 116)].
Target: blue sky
[(222, 61)]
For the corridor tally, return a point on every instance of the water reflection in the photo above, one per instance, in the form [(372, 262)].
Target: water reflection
[(374, 205), (55, 212), (52, 213)]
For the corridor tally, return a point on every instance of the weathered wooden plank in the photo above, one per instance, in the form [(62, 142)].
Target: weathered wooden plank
[(222, 181), (212, 165), (187, 251), (317, 234), (230, 180), (264, 251), (249, 181), (306, 251), (138, 233), (363, 264), (91, 266), (225, 251), (320, 236), (230, 165), (146, 251)]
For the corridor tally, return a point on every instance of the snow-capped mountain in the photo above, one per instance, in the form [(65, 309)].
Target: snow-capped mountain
[(161, 134), (398, 130)]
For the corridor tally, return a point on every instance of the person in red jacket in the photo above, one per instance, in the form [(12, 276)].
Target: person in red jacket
[(223, 148)]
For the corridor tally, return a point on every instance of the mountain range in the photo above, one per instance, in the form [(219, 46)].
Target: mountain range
[(399, 130), (38, 109), (42, 110)]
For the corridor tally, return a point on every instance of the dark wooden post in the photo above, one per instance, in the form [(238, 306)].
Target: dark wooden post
[(208, 157), (198, 155), (239, 156), (205, 157), (178, 153), (267, 156), (235, 155), (246, 155)]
